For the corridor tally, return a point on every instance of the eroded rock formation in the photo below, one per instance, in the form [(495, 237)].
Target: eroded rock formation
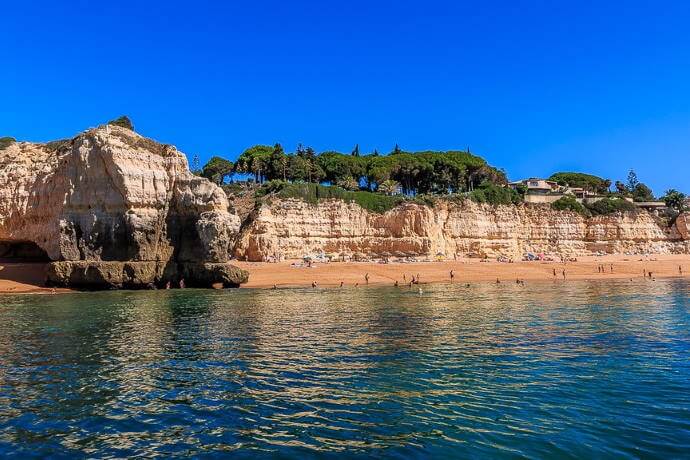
[(293, 228), (116, 209)]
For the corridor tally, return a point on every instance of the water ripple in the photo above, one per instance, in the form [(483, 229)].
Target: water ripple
[(563, 370)]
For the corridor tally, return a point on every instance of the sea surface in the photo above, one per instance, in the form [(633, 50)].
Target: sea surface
[(547, 370)]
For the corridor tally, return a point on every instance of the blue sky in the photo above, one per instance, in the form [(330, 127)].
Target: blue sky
[(534, 87)]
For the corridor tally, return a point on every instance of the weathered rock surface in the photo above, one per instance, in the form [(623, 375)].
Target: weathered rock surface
[(141, 275), (111, 195), (293, 228)]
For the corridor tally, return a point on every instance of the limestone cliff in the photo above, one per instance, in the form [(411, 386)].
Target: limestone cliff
[(292, 228), (111, 195)]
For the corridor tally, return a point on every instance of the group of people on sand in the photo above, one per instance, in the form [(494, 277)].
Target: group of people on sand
[(556, 276), (602, 268), (415, 279)]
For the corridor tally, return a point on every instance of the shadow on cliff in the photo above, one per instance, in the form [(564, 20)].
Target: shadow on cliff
[(31, 273)]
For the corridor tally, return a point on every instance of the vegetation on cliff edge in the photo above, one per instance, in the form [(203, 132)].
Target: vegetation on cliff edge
[(6, 142), (123, 122), (313, 193), (608, 206), (569, 203), (586, 181)]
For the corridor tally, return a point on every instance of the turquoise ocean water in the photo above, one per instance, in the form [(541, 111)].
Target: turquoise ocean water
[(562, 370)]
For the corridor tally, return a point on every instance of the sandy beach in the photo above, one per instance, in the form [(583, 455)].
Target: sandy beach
[(19, 277), (283, 274), (24, 277)]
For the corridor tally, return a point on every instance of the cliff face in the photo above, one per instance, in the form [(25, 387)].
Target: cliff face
[(293, 228), (112, 195)]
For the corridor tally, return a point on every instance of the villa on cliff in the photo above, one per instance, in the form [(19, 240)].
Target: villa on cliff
[(547, 191)]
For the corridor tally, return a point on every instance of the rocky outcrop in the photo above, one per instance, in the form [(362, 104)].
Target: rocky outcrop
[(116, 209), (141, 275), (292, 228)]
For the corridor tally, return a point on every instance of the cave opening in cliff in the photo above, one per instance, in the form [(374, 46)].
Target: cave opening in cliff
[(22, 251)]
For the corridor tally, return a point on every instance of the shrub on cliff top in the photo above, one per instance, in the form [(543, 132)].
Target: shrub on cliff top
[(54, 146), (313, 193), (123, 122), (6, 142), (569, 203), (494, 194), (585, 181), (608, 206)]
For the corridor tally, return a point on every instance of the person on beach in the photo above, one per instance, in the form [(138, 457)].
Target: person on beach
[(611, 268), (182, 285), (167, 285), (341, 283), (452, 275), (554, 273), (366, 277), (275, 287), (564, 273), (313, 284), (498, 281), (680, 270), (396, 283)]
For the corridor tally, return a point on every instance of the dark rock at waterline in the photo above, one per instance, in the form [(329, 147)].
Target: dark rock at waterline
[(83, 274), (208, 274)]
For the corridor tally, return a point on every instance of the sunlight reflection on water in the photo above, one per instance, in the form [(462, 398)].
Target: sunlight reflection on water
[(565, 369)]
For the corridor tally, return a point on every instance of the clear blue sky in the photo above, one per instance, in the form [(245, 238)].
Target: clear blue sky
[(535, 87)]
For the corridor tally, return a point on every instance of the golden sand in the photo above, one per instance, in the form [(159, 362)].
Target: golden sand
[(29, 277)]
